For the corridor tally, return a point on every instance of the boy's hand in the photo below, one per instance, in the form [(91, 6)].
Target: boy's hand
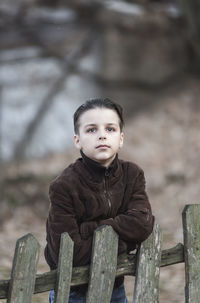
[(87, 229)]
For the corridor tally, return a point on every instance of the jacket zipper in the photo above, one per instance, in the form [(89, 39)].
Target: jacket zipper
[(106, 191)]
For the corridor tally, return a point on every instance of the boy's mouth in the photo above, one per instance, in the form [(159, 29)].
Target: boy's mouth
[(103, 146)]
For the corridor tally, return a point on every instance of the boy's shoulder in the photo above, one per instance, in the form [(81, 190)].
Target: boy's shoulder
[(131, 167), (69, 175)]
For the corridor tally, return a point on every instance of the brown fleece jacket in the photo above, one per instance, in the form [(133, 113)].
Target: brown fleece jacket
[(87, 195)]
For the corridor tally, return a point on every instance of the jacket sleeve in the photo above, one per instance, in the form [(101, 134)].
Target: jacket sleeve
[(62, 218), (87, 230), (135, 224)]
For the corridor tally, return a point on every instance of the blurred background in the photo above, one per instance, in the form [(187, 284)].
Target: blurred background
[(54, 55)]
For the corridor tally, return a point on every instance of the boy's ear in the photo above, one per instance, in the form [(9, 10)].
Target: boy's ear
[(77, 141), (121, 140)]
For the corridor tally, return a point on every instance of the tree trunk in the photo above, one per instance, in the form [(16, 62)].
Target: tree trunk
[(191, 10)]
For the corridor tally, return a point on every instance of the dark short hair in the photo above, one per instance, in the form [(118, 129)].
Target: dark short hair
[(97, 103)]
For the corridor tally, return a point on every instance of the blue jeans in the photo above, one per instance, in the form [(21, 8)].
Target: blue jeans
[(118, 296)]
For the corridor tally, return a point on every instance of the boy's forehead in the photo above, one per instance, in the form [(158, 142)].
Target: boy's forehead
[(99, 115)]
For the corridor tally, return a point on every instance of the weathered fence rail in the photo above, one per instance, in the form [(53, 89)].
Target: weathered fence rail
[(106, 266)]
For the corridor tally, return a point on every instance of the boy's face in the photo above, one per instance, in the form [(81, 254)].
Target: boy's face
[(99, 135)]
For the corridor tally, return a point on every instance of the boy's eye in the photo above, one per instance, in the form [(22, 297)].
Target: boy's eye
[(110, 129), (91, 130)]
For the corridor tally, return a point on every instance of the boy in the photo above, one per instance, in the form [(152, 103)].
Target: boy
[(98, 189)]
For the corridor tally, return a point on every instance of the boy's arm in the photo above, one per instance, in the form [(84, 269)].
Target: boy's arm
[(87, 230), (133, 225), (136, 223), (63, 219)]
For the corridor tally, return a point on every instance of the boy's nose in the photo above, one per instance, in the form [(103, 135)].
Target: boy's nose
[(102, 135)]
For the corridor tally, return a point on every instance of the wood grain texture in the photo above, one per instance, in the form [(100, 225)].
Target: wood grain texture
[(64, 271), (191, 231), (103, 265), (148, 269), (24, 269), (80, 275)]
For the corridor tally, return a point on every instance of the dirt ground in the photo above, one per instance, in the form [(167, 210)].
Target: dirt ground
[(164, 141)]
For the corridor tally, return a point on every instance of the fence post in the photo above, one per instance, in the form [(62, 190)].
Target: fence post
[(64, 270), (24, 270), (103, 265), (191, 232), (148, 268)]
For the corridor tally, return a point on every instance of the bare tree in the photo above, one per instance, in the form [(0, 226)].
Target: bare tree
[(191, 10)]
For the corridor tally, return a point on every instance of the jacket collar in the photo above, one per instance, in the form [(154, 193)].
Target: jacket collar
[(97, 170)]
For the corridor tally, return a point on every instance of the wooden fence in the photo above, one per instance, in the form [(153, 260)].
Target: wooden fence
[(105, 266)]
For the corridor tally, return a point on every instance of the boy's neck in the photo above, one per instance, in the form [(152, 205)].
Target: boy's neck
[(98, 171), (95, 162)]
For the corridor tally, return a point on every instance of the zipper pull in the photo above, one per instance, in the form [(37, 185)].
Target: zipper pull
[(107, 173)]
